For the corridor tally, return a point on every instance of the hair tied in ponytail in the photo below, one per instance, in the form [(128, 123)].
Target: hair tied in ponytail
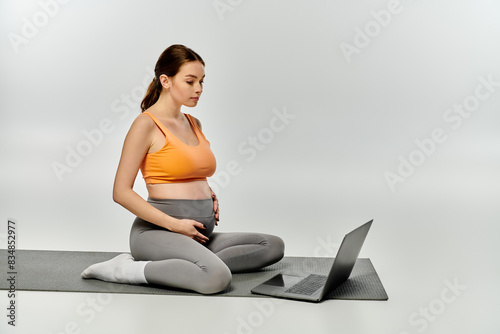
[(157, 82)]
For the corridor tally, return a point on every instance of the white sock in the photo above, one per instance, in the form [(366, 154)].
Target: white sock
[(120, 269)]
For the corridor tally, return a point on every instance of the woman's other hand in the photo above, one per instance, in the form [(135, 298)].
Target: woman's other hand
[(216, 206)]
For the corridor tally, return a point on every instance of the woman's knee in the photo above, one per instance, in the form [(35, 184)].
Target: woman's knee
[(275, 248), (215, 279)]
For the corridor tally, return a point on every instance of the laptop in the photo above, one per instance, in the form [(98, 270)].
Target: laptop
[(313, 287)]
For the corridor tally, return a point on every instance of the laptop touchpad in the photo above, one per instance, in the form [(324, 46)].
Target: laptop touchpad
[(283, 280)]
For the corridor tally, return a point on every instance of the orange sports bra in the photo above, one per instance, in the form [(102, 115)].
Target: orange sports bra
[(177, 161)]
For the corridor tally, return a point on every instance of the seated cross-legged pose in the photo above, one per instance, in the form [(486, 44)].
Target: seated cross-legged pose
[(172, 242)]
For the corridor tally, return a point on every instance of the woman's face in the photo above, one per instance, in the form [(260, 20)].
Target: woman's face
[(187, 85)]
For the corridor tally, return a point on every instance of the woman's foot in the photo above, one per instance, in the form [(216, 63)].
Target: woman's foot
[(120, 269)]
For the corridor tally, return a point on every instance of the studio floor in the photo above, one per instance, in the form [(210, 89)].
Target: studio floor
[(439, 278)]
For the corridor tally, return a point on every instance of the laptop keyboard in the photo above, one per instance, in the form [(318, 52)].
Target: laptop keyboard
[(308, 285)]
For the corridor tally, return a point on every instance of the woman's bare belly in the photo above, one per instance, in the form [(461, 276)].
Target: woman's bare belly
[(181, 190)]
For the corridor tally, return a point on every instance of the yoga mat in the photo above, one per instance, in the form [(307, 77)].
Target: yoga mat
[(38, 270)]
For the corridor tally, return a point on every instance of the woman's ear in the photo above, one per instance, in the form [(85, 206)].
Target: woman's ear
[(165, 81)]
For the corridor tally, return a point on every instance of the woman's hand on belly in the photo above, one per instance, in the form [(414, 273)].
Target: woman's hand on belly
[(188, 228), (216, 206)]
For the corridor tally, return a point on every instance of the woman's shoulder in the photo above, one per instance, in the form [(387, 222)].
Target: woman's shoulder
[(144, 118), (143, 122)]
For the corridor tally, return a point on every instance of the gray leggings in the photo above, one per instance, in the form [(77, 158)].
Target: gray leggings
[(181, 262)]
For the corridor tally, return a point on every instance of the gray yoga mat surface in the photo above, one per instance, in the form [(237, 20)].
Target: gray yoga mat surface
[(60, 271)]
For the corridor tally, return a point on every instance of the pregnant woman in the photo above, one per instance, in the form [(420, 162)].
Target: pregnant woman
[(172, 241)]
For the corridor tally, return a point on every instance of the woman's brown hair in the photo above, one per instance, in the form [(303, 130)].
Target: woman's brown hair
[(169, 63)]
